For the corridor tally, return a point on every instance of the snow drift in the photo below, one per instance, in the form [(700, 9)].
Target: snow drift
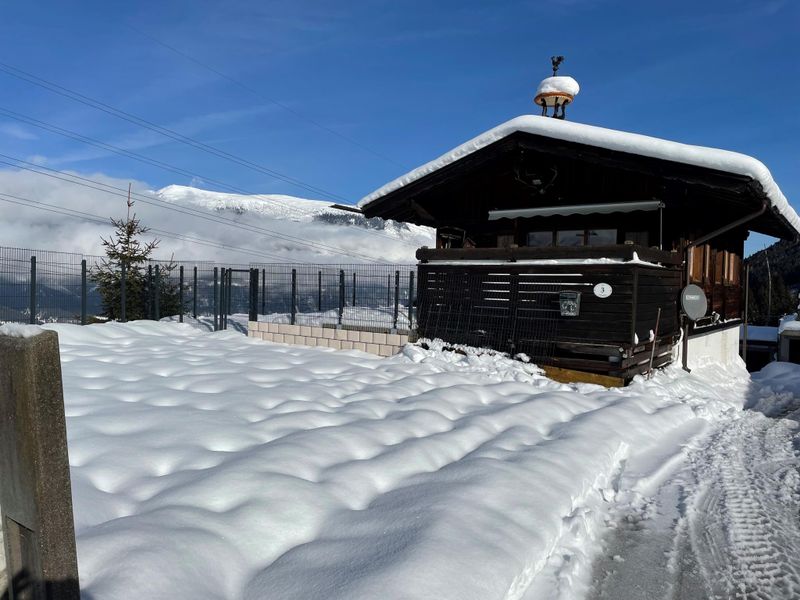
[(214, 466)]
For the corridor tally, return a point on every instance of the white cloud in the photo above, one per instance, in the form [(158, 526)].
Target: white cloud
[(17, 131)]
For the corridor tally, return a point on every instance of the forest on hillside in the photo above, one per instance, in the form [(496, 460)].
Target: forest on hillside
[(780, 265)]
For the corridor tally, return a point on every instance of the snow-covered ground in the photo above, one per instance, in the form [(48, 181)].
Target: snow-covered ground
[(209, 465), (727, 524)]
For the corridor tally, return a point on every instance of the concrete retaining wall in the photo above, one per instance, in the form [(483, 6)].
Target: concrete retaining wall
[(374, 342)]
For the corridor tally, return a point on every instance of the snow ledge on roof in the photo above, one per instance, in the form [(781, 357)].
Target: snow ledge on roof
[(611, 139)]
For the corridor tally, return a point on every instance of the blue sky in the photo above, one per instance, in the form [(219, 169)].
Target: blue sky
[(405, 80)]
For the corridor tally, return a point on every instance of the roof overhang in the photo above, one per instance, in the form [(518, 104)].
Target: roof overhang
[(735, 177)]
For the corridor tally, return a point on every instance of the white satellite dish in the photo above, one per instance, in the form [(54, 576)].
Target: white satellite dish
[(694, 302)]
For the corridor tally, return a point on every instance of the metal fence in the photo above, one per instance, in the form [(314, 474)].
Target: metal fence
[(40, 286)]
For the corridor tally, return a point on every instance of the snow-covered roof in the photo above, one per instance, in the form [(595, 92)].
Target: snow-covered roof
[(611, 139), (558, 84)]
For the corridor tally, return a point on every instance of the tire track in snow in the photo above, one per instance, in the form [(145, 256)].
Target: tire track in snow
[(743, 523)]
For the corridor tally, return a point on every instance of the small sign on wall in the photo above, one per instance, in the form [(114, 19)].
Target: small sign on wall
[(602, 290)]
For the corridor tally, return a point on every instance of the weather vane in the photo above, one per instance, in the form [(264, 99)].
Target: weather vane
[(556, 60)]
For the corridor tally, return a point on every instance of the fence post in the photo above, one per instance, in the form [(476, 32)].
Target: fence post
[(253, 295), (222, 304), (396, 297), (149, 291), (122, 292), (157, 293), (35, 490), (194, 294), (410, 301), (32, 306), (294, 295), (389, 289), (354, 288), (263, 291), (180, 293), (319, 291), (83, 292), (341, 295), (229, 295), (216, 300)]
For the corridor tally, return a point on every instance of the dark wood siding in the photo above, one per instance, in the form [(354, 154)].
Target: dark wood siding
[(515, 308)]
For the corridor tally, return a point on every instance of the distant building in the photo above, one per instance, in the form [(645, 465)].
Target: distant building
[(562, 241)]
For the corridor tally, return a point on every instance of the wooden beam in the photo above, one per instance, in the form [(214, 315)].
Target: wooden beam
[(572, 376)]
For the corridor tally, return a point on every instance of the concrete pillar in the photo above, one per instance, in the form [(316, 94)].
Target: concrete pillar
[(35, 493)]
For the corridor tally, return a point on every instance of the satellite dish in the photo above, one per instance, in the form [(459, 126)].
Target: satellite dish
[(694, 302)]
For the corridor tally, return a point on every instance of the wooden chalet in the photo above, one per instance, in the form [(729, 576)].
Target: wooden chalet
[(571, 243)]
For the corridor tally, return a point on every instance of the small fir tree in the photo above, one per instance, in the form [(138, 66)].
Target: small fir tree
[(125, 248)]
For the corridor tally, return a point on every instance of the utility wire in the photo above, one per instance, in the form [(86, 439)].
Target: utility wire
[(165, 131), (154, 201), (11, 198), (264, 98), (165, 166)]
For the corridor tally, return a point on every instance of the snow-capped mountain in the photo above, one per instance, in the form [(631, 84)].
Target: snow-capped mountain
[(301, 229), (195, 224)]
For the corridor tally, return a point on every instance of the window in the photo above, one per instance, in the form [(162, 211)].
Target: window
[(540, 239), (601, 237), (640, 238), (505, 241), (570, 237)]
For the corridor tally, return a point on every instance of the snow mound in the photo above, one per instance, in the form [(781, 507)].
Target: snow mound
[(558, 84), (19, 330), (210, 465)]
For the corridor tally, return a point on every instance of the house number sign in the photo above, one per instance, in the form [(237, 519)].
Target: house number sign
[(602, 290)]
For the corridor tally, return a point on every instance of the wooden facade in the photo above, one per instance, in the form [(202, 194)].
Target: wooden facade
[(527, 218)]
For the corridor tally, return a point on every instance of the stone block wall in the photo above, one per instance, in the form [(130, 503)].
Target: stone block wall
[(381, 343)]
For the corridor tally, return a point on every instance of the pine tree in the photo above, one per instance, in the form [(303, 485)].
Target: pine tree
[(125, 248)]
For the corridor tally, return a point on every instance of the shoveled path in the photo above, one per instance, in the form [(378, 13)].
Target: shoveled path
[(726, 526)]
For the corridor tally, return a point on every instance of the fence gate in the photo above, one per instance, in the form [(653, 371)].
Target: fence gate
[(237, 294)]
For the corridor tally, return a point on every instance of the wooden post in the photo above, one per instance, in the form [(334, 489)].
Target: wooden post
[(35, 492), (634, 307)]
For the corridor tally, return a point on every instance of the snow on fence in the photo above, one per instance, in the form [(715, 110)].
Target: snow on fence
[(40, 286)]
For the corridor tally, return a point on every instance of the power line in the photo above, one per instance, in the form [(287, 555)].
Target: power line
[(265, 98), (165, 131), (162, 165), (116, 191), (84, 216)]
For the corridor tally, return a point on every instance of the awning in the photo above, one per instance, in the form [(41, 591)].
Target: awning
[(575, 209)]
